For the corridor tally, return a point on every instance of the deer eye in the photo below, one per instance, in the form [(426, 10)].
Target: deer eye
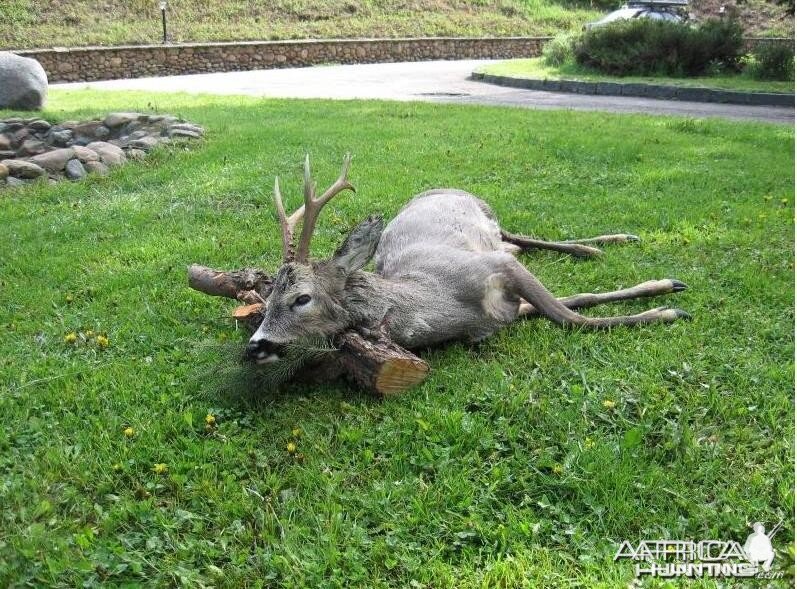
[(302, 300)]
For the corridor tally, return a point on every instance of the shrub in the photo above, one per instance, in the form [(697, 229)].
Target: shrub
[(651, 47), (559, 50), (773, 61)]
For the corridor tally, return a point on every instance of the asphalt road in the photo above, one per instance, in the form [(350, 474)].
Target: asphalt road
[(431, 81)]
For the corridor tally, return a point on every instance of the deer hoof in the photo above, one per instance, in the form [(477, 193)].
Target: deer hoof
[(677, 285), (674, 314)]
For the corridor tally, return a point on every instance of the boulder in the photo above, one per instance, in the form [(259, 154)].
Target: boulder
[(3, 171), (23, 169), (23, 82), (12, 182), (55, 160), (109, 154)]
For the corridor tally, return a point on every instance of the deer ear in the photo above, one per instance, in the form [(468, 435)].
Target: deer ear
[(360, 246)]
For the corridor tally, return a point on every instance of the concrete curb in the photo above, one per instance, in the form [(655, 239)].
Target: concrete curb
[(693, 94)]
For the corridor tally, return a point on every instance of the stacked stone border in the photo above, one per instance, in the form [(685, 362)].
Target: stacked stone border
[(691, 94), (86, 64)]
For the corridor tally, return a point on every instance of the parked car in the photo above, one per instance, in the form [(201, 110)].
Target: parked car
[(667, 10)]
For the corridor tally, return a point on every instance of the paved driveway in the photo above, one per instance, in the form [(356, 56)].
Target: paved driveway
[(433, 81)]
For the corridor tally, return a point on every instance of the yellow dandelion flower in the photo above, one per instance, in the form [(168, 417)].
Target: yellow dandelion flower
[(589, 443), (608, 404), (296, 432), (70, 337), (291, 447), (102, 341), (558, 469), (89, 333), (160, 468), (210, 419), (129, 432)]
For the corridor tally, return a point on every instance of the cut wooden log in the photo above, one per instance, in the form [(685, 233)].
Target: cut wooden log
[(372, 361), (379, 365)]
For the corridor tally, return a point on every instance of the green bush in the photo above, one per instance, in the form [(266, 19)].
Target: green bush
[(773, 61), (651, 47), (559, 50)]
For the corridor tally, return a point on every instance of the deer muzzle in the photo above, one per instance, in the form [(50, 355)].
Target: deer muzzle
[(262, 351)]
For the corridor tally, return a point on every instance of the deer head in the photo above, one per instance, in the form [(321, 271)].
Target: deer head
[(309, 298)]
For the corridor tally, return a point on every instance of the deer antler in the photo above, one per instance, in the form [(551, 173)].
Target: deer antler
[(312, 206), (288, 224)]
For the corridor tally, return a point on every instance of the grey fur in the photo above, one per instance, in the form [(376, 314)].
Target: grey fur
[(443, 272)]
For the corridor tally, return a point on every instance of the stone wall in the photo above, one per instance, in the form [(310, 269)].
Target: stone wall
[(107, 63)]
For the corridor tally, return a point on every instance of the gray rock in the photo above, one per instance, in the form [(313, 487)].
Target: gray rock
[(184, 133), (55, 160), (60, 138), (32, 147), (3, 171), (136, 154), (96, 168), (23, 82), (84, 154), (109, 154), (75, 170), (12, 182), (101, 132), (23, 169), (117, 119), (5, 142), (39, 125), (144, 143), (7, 154)]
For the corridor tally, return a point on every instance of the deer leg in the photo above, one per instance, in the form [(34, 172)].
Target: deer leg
[(573, 247), (651, 288), (527, 286)]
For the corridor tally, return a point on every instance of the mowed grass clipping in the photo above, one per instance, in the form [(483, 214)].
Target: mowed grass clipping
[(519, 462)]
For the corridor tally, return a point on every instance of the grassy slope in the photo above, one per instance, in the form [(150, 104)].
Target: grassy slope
[(536, 69), (45, 23), (82, 22), (508, 467)]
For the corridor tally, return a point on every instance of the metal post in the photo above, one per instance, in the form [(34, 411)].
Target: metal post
[(163, 5)]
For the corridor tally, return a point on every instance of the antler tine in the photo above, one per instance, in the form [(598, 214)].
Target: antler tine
[(313, 205), (288, 224)]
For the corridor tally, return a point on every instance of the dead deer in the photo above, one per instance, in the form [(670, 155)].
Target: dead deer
[(444, 271)]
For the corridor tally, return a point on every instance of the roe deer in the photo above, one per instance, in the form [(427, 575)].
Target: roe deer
[(445, 270)]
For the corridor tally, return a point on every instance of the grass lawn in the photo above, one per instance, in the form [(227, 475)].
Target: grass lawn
[(520, 462), (536, 69)]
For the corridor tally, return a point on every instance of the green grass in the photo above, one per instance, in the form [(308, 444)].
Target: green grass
[(536, 69), (508, 467), (85, 22)]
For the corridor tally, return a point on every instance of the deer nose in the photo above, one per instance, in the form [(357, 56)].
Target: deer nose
[(262, 351)]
